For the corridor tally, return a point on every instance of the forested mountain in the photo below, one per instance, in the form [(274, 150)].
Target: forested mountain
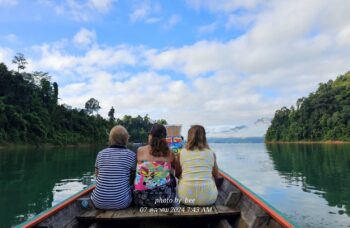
[(30, 113), (323, 115)]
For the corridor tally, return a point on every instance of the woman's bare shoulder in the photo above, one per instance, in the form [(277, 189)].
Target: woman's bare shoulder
[(143, 150)]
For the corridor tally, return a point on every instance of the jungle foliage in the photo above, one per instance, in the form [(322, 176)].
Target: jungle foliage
[(323, 115), (31, 114)]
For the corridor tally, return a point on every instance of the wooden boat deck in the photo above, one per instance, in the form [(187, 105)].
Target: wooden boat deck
[(133, 213)]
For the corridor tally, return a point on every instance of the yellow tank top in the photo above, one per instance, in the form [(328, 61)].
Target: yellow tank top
[(196, 165), (196, 185)]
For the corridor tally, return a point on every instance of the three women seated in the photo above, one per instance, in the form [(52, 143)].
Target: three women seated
[(155, 164)]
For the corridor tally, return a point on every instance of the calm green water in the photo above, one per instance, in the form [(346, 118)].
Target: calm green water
[(309, 183)]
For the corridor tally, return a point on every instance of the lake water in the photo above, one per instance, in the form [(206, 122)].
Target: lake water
[(310, 184)]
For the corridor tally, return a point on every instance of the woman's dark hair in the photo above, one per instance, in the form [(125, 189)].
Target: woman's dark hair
[(159, 146), (196, 138)]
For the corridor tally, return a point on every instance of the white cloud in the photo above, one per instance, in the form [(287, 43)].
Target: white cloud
[(85, 37), (11, 37), (152, 20), (239, 21), (343, 37), (208, 28), (6, 55), (8, 2), (81, 10), (234, 13), (144, 11), (222, 5), (101, 5), (173, 20)]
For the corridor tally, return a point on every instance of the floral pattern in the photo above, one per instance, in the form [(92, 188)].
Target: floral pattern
[(152, 174)]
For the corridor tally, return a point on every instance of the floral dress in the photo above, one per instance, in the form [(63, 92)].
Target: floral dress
[(154, 185)]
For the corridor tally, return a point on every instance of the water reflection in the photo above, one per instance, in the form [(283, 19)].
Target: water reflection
[(34, 180), (309, 183), (323, 170), (302, 181)]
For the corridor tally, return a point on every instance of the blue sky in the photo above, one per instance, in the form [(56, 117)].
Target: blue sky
[(224, 64)]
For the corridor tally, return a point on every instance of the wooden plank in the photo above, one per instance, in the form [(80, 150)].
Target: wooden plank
[(261, 221), (185, 212), (233, 198), (125, 213), (225, 210), (90, 214), (105, 214)]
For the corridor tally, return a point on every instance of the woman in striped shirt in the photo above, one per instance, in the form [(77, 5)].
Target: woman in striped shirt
[(113, 168)]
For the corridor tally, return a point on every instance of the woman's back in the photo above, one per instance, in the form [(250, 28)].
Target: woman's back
[(151, 172), (113, 189), (154, 184), (196, 184), (196, 165), (196, 168)]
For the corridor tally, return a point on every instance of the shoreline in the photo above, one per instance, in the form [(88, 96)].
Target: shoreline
[(334, 142), (48, 145), (44, 145)]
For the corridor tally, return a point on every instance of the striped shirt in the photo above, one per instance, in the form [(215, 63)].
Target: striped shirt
[(113, 190)]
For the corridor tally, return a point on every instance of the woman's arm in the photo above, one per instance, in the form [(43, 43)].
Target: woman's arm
[(133, 169), (97, 164), (178, 169), (215, 168)]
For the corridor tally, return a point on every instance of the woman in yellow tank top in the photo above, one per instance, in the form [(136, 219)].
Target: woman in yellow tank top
[(196, 168)]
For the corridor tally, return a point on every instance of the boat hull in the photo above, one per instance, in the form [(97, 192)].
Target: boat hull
[(236, 206)]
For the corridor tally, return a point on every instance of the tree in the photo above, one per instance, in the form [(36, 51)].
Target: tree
[(38, 76), (111, 115), (20, 60), (323, 115), (29, 113), (55, 92), (92, 105)]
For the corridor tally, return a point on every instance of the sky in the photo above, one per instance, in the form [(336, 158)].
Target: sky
[(225, 64)]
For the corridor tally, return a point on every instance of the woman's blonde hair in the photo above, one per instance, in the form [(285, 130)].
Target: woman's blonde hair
[(118, 136), (196, 138)]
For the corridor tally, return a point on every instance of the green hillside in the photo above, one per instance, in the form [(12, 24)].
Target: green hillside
[(323, 115), (30, 114)]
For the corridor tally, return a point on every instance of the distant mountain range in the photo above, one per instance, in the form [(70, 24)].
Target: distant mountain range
[(237, 140)]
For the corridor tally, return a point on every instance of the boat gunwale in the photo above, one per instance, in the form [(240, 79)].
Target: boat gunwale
[(269, 209), (53, 210)]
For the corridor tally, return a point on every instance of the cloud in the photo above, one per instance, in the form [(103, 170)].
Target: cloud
[(173, 20), (222, 5), (143, 11), (101, 5), (8, 2), (55, 59), (152, 20), (10, 38), (263, 120), (81, 10), (208, 28), (229, 14), (85, 37), (6, 55), (226, 129), (239, 21)]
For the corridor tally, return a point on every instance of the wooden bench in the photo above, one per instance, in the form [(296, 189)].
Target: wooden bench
[(136, 213)]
